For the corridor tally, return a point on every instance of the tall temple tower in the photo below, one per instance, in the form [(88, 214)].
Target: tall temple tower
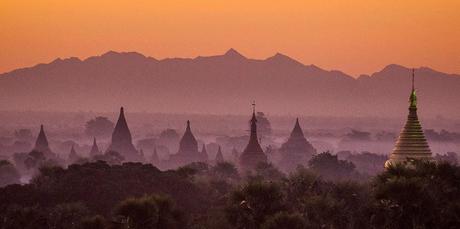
[(41, 144), (253, 153), (296, 150), (122, 140), (411, 143)]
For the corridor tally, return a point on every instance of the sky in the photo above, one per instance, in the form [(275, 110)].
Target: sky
[(354, 36)]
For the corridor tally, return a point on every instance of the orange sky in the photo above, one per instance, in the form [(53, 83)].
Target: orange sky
[(360, 36)]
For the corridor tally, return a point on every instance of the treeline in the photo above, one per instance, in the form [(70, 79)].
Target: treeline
[(135, 195)]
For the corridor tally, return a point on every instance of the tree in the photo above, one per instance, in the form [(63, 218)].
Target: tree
[(150, 212), (111, 157), (99, 127), (266, 171), (254, 203), (330, 167), (93, 222), (264, 127), (285, 220), (8, 174), (17, 217), (67, 216), (423, 195), (23, 134), (226, 171)]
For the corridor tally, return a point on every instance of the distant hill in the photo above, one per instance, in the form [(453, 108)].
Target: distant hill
[(222, 84)]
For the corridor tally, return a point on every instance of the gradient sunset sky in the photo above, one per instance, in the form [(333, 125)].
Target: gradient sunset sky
[(357, 37)]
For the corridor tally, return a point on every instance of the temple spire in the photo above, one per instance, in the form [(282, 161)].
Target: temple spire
[(73, 155), (297, 131), (203, 150), (187, 129), (42, 140), (253, 145), (188, 150), (413, 96), (411, 143), (41, 144), (122, 140), (94, 149), (219, 156), (296, 150), (253, 153)]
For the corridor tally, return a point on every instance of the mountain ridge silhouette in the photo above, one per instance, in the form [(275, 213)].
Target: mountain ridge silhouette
[(221, 84)]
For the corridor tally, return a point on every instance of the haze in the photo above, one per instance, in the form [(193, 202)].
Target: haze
[(359, 37)]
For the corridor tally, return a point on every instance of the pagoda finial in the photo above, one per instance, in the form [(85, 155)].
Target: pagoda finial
[(188, 126), (413, 97)]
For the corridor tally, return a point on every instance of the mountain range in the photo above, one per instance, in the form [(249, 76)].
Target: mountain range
[(223, 84)]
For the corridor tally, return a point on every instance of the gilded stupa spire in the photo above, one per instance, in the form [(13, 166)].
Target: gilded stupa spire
[(413, 96), (411, 143)]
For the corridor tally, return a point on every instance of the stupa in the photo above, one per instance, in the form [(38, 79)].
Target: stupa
[(411, 143)]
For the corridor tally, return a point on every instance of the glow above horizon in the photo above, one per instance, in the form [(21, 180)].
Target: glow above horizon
[(357, 38)]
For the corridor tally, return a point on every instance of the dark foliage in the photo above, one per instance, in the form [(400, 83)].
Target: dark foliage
[(197, 196), (330, 167), (99, 127), (8, 173)]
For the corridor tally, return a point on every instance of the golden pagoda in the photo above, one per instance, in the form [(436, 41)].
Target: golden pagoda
[(411, 144)]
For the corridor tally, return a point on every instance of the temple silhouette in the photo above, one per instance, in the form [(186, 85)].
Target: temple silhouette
[(411, 143), (188, 150), (122, 140), (42, 145), (296, 150), (253, 153), (219, 156), (73, 155), (94, 149)]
